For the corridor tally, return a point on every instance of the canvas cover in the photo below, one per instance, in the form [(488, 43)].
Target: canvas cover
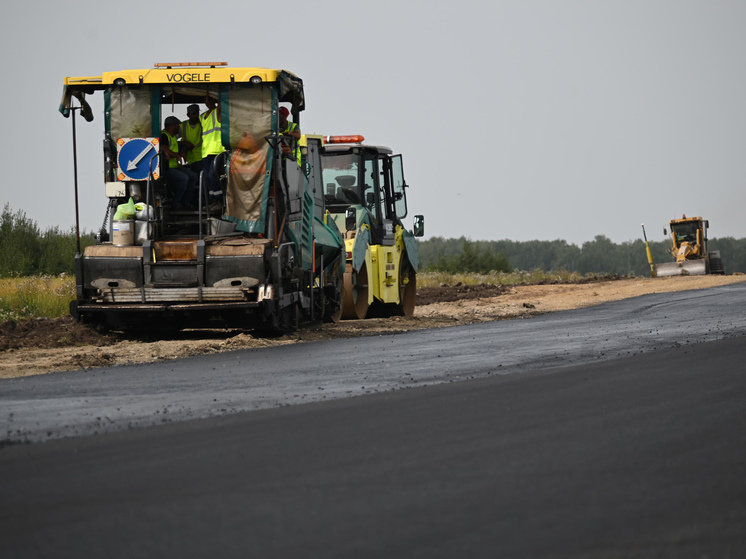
[(251, 111), (130, 112)]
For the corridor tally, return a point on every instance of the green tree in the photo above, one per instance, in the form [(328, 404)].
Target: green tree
[(26, 251), (600, 255), (19, 243)]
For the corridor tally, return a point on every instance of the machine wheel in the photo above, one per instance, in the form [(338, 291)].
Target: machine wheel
[(292, 318), (407, 289), (716, 266), (74, 310), (355, 297), (334, 302), (286, 321)]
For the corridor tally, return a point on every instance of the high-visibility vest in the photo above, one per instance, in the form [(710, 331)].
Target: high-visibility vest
[(212, 143), (296, 149), (173, 145), (193, 135)]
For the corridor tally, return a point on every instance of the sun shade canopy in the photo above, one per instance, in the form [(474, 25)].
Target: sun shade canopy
[(204, 77)]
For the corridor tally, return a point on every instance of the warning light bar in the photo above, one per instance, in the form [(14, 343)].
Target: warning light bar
[(344, 139), (189, 64)]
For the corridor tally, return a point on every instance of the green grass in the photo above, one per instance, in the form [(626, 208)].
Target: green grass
[(36, 296)]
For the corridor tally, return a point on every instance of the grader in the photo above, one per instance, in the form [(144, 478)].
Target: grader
[(689, 248)]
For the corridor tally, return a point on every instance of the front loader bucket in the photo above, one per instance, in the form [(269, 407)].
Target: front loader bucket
[(687, 268)]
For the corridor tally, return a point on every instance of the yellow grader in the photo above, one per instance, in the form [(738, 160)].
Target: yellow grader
[(689, 248)]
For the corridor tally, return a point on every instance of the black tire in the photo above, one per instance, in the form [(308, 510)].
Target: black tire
[(355, 302)]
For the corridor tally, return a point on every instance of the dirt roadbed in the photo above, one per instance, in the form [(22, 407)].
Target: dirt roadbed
[(42, 346)]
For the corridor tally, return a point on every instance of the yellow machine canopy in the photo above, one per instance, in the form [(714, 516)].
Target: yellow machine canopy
[(137, 101)]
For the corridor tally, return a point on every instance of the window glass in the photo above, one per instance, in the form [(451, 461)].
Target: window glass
[(348, 180), (400, 197), (686, 232), (340, 179), (371, 177)]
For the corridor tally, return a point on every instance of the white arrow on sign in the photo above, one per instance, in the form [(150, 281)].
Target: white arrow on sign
[(132, 165)]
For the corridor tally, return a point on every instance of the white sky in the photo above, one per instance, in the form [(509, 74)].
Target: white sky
[(531, 119)]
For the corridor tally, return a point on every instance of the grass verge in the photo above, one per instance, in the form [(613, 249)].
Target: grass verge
[(36, 296)]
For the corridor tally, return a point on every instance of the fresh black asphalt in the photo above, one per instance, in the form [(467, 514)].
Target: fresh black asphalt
[(107, 399), (617, 431)]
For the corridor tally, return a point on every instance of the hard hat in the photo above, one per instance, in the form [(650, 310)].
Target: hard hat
[(172, 120), (284, 111)]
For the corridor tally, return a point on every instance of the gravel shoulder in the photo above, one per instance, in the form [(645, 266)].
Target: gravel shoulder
[(42, 346)]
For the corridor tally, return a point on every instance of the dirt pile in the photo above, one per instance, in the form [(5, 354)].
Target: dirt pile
[(46, 333), (458, 292), (461, 292)]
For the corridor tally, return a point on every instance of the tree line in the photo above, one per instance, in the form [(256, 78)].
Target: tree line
[(28, 251), (600, 255)]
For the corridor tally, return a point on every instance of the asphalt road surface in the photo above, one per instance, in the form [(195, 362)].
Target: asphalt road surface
[(614, 431)]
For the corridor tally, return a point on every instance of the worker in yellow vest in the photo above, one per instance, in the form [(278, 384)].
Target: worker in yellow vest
[(212, 145), (191, 135), (182, 180), (291, 132)]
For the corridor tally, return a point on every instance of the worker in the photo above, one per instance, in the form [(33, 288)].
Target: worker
[(191, 135), (290, 130), (212, 145), (182, 179)]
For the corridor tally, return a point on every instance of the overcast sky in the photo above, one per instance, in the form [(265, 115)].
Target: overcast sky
[(529, 119)]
